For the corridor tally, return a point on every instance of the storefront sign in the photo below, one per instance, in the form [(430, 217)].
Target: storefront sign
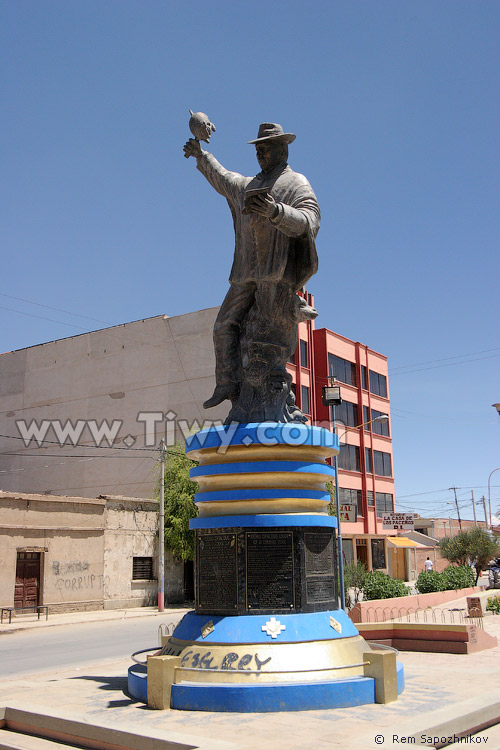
[(398, 521), (348, 512)]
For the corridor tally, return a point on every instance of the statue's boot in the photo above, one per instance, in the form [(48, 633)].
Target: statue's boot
[(220, 394)]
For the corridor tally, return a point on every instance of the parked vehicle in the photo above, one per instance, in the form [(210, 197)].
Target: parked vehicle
[(494, 574)]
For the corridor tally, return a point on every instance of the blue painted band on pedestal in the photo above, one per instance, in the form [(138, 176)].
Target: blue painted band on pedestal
[(252, 467), (299, 628), (263, 519), (262, 433), (267, 494), (138, 682), (342, 693), (299, 696)]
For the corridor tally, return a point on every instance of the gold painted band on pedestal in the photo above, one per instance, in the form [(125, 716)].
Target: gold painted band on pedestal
[(314, 481), (248, 507), (263, 480), (313, 453), (267, 662)]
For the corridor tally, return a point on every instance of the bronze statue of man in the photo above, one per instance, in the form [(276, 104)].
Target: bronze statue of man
[(276, 219)]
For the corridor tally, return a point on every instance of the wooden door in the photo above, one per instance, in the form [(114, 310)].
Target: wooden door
[(27, 588), (362, 551), (398, 564)]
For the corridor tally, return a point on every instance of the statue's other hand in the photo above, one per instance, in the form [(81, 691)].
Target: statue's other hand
[(192, 148), (263, 205)]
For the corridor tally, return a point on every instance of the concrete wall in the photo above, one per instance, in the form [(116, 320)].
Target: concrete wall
[(156, 365), (86, 548), (130, 531), (68, 533)]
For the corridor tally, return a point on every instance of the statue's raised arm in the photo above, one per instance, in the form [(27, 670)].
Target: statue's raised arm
[(276, 218)]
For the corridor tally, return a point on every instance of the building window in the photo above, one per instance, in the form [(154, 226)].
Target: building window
[(368, 461), (304, 392), (342, 370), (378, 554), (349, 458), (291, 358), (382, 463), (378, 384), (366, 418), (347, 413), (364, 384), (379, 428), (353, 497), (385, 503), (303, 353), (369, 498), (142, 569)]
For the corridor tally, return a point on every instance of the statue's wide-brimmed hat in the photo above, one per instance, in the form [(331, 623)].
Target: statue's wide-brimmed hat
[(271, 131)]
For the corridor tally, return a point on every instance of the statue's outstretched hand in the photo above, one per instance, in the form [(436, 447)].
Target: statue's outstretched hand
[(265, 205), (192, 148)]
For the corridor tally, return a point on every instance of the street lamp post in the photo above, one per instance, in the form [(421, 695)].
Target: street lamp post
[(332, 397)]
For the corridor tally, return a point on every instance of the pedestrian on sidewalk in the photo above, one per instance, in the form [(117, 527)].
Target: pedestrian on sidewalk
[(429, 565)]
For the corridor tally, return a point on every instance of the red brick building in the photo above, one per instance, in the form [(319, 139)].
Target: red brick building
[(366, 471)]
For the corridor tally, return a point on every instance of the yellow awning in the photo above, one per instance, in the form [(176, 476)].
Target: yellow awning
[(402, 541)]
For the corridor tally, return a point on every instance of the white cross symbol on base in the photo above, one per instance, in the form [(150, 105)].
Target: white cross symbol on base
[(273, 627)]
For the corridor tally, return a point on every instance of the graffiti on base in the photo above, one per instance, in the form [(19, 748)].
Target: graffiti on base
[(205, 660)]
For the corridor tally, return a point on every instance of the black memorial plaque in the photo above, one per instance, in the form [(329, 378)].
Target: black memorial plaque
[(319, 591), (265, 570), (319, 556), (216, 572), (319, 553), (270, 580)]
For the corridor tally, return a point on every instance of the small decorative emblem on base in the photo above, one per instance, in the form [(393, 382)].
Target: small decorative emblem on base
[(207, 629), (335, 625), (273, 627)]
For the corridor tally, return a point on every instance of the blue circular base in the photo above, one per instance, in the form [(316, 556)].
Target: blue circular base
[(297, 696)]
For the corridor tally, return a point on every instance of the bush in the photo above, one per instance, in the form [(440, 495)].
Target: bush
[(429, 581), (452, 577), (494, 604), (381, 586), (458, 577)]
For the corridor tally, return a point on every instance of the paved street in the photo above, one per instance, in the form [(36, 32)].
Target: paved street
[(76, 645)]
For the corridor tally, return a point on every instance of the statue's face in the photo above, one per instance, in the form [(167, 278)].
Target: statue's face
[(268, 155)]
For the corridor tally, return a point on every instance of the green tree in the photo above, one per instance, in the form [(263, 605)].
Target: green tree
[(474, 546), (331, 507), (354, 580), (179, 503)]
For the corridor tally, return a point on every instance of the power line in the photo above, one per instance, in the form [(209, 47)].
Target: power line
[(444, 359), (450, 364)]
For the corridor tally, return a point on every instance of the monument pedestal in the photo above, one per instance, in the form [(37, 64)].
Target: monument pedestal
[(267, 633)]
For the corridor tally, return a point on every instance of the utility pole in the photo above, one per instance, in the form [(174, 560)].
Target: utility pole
[(485, 512), (474, 508), (161, 532), (456, 504)]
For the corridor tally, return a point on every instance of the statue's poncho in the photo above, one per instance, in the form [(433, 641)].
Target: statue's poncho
[(281, 249)]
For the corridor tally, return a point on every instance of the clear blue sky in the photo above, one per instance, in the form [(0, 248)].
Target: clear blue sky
[(396, 109)]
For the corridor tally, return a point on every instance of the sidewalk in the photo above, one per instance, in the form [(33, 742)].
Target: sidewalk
[(29, 621)]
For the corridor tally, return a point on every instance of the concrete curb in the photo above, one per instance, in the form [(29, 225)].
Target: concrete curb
[(39, 721)]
